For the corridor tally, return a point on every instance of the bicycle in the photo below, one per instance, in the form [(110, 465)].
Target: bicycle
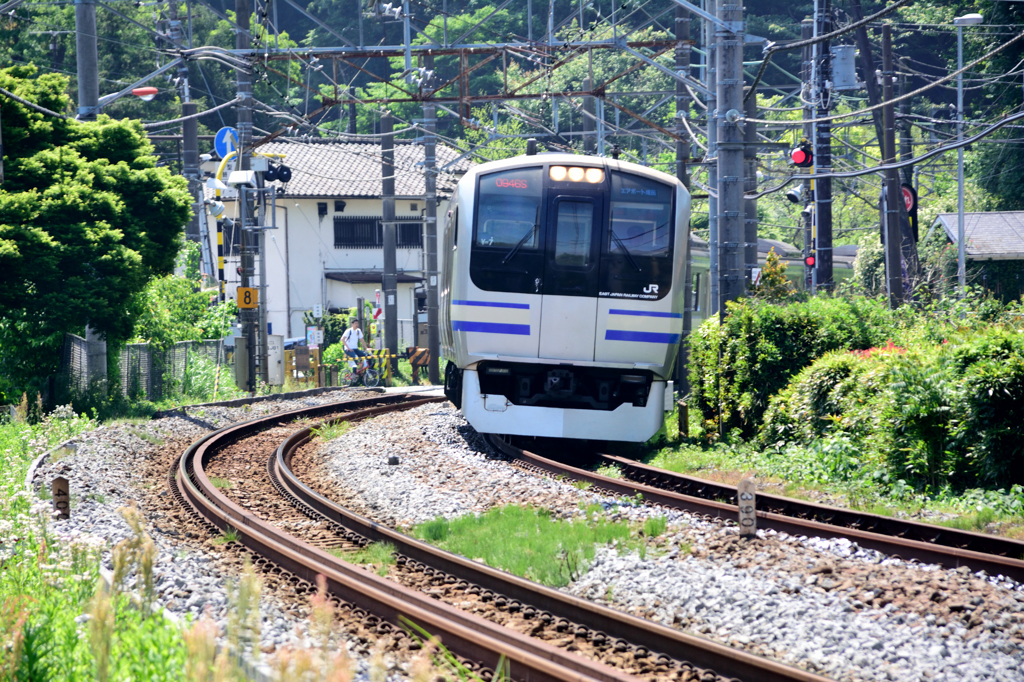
[(352, 376)]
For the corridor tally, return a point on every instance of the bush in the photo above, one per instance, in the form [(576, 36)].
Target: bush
[(735, 368), (939, 415)]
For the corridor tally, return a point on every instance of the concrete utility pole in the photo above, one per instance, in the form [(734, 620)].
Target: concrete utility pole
[(430, 240), (710, 80), (729, 58), (906, 148), (683, 173), (806, 33), (390, 279), (88, 60), (243, 88), (190, 165), (750, 185), (823, 149), (589, 118), (867, 67), (893, 255)]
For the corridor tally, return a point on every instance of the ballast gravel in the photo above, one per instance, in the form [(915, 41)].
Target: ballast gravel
[(826, 605), (103, 469)]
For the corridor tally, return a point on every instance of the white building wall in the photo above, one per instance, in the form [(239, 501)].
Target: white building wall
[(301, 251)]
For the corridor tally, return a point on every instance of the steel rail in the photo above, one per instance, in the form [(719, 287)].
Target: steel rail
[(599, 622), (905, 539), (836, 516), (463, 633)]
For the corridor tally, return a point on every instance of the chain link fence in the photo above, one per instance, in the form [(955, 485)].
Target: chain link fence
[(146, 373)]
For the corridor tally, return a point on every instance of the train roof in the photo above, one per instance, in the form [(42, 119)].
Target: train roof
[(562, 158)]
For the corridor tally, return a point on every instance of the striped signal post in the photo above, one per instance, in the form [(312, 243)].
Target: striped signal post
[(220, 258)]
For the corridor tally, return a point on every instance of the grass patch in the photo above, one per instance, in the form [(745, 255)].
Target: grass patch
[(529, 542), (377, 555), (609, 470), (974, 521), (582, 485), (655, 526), (221, 483), (227, 537), (332, 430)]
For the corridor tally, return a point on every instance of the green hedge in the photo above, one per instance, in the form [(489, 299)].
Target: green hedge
[(938, 415), (735, 368)]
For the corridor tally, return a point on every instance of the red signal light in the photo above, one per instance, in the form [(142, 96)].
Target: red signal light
[(802, 156), (809, 261)]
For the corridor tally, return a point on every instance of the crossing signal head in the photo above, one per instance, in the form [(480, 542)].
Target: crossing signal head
[(809, 261), (802, 156)]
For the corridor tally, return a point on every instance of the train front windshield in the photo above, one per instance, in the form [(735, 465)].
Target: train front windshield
[(540, 231)]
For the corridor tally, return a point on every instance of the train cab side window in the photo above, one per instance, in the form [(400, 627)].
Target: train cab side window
[(507, 250), (509, 210)]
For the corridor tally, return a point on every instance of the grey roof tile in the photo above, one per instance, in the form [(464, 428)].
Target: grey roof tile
[(995, 234), (344, 168)]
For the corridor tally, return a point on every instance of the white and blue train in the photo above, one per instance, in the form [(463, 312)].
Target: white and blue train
[(561, 299)]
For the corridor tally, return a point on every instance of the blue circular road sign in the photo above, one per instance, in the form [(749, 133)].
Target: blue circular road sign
[(226, 141)]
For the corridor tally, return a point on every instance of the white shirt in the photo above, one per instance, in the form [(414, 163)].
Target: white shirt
[(351, 338)]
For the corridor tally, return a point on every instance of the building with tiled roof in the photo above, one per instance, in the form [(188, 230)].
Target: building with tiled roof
[(995, 235), (327, 248)]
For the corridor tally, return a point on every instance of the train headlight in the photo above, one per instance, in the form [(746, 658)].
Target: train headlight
[(595, 175), (576, 174), (558, 173)]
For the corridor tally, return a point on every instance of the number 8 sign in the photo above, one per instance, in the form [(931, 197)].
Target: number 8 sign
[(247, 297)]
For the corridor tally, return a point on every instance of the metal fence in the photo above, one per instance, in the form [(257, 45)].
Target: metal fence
[(146, 373)]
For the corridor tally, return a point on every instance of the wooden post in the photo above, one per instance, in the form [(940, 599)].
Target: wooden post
[(745, 498), (61, 497)]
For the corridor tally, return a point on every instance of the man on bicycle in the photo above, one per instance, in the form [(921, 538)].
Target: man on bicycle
[(352, 341)]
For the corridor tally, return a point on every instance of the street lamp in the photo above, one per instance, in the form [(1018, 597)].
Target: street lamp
[(961, 249)]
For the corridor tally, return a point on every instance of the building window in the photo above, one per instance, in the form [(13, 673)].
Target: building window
[(367, 232)]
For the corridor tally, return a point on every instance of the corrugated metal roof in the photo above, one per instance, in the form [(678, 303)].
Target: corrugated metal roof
[(997, 235), (352, 168)]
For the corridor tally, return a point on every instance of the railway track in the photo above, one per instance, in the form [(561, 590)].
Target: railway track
[(277, 533), (900, 538)]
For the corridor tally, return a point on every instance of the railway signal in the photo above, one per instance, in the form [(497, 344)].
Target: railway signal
[(809, 261), (802, 155)]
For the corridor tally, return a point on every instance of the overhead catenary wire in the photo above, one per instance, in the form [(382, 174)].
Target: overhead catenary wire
[(772, 49), (945, 79)]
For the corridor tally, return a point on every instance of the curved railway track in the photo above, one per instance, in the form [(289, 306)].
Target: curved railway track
[(663, 651), (905, 539)]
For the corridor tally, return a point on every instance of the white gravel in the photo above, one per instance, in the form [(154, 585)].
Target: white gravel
[(776, 602)]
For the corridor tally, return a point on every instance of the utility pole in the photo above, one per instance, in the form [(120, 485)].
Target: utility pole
[(430, 241), (750, 185), (243, 88), (906, 149), (589, 118), (867, 66), (823, 149), (710, 80), (806, 33), (682, 32), (729, 58), (88, 60), (894, 269), (390, 279), (190, 165)]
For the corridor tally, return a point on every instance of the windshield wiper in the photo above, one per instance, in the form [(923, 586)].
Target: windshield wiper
[(515, 249), (622, 246)]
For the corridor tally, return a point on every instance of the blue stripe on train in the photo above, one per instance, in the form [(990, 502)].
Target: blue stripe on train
[(645, 313), (490, 327), (642, 337), (489, 304)]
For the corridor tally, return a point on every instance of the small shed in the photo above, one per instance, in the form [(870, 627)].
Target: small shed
[(994, 248)]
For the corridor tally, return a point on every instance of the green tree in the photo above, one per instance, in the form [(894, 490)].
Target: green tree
[(86, 220), (173, 309)]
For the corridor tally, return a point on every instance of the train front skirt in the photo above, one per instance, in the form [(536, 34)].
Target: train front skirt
[(496, 414)]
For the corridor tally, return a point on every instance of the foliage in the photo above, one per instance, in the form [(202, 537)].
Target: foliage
[(173, 309), (773, 285), (734, 368), (86, 219), (937, 415)]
